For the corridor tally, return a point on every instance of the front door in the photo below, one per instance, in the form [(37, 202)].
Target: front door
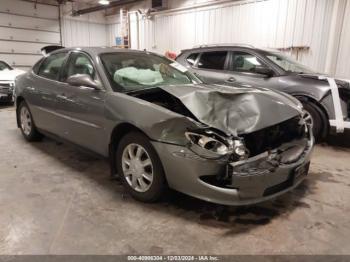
[(244, 66), (82, 108)]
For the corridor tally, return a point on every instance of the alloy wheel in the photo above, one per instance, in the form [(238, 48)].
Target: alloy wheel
[(26, 121), (137, 167)]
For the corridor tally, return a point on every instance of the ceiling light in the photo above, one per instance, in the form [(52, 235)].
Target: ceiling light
[(103, 2)]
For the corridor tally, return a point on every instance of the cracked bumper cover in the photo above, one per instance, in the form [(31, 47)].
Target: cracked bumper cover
[(247, 182)]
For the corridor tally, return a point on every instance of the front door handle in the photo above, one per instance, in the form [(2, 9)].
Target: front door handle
[(231, 79), (31, 88), (62, 97)]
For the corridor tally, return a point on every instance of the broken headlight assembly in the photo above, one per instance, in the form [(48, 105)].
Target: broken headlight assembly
[(211, 146)]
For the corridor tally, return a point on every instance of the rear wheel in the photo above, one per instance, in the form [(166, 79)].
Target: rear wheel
[(140, 168), (27, 125), (318, 120)]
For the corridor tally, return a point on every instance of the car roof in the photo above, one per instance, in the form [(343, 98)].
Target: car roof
[(97, 50), (223, 47)]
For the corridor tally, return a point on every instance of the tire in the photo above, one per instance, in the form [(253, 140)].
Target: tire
[(26, 122), (145, 182), (319, 121)]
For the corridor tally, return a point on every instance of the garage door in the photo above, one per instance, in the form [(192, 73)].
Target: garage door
[(24, 29)]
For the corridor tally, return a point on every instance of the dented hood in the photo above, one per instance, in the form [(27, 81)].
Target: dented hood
[(236, 110)]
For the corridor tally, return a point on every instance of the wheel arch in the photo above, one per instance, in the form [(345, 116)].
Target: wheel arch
[(325, 116), (117, 134), (19, 100), (308, 98)]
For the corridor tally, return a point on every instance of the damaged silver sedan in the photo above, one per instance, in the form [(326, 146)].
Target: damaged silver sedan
[(161, 127)]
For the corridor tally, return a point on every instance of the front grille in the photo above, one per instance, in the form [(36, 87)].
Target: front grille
[(6, 88), (274, 136)]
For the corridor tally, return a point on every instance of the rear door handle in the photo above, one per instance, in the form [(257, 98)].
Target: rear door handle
[(231, 79)]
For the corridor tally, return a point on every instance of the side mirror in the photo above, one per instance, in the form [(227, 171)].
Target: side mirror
[(83, 80), (264, 71)]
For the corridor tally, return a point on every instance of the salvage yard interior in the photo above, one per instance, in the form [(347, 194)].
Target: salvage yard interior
[(163, 127)]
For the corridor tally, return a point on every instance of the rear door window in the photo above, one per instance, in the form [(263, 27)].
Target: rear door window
[(50, 68), (213, 60), (191, 59)]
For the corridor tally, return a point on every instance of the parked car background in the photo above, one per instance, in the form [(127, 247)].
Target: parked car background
[(7, 81), (271, 69)]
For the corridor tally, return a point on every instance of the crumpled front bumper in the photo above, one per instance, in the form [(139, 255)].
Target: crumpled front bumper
[(246, 182)]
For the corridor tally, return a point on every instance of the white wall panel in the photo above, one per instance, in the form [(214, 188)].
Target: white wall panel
[(29, 9), (20, 60), (24, 29), (343, 64), (20, 47), (113, 31), (29, 35), (83, 33), (29, 22)]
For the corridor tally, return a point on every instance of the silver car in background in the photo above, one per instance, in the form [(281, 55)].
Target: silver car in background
[(7, 81), (160, 126)]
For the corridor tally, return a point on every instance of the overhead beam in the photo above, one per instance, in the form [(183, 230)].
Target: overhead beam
[(103, 7)]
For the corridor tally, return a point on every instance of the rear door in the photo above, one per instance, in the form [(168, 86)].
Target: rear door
[(81, 107), (211, 66), (41, 92)]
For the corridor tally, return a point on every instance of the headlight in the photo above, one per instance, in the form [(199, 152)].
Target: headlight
[(211, 147)]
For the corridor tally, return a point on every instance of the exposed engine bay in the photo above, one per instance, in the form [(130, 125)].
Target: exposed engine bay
[(163, 99), (211, 143)]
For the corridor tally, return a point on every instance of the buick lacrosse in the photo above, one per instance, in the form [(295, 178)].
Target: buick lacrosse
[(160, 126)]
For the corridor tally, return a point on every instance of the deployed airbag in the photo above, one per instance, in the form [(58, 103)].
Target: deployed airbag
[(141, 76)]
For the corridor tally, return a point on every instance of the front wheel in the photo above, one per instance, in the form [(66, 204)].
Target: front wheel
[(318, 120), (27, 125), (139, 167)]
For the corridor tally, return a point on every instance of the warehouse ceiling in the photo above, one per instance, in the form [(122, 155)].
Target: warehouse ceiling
[(86, 2)]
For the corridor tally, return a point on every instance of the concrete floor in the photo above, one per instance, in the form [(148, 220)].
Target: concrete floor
[(55, 199)]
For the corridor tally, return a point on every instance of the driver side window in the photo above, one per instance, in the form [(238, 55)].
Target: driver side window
[(79, 64), (245, 62)]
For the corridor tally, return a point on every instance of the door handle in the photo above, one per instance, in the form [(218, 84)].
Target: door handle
[(62, 97), (231, 79)]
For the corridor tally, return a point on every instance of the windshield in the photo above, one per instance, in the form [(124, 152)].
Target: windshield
[(136, 71), (4, 66), (288, 64)]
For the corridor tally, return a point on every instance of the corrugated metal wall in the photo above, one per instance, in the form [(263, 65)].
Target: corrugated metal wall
[(343, 61), (84, 30), (262, 23), (24, 29), (83, 33)]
